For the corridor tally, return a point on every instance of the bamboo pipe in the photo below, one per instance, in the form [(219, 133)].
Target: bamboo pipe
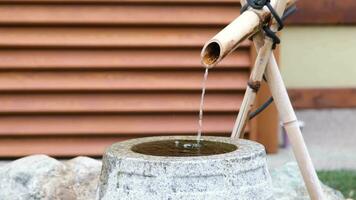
[(228, 39)]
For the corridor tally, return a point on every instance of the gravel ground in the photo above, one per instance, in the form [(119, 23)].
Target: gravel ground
[(330, 136), (3, 162)]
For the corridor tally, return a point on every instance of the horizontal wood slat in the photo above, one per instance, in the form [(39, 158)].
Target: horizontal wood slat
[(314, 98), (123, 1), (56, 146), (324, 12), (120, 80), (61, 146), (108, 124), (200, 14), (121, 59), (118, 102), (124, 37)]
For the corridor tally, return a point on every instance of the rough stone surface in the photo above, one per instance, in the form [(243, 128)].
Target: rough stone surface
[(40, 177), (83, 172), (288, 185), (241, 174)]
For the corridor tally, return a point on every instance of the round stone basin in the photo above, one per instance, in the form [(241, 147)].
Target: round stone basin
[(176, 167)]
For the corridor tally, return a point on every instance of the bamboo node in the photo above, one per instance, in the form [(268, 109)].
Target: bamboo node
[(254, 85)]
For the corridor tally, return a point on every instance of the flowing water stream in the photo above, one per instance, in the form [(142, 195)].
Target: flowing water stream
[(182, 148), (200, 128)]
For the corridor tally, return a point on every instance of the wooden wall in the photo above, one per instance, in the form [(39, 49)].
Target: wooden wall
[(76, 76), (324, 13)]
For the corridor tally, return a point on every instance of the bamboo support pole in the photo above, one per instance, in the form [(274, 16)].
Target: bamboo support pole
[(228, 39), (287, 115), (263, 56), (290, 122)]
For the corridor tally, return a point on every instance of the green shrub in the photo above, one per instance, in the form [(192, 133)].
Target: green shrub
[(343, 180)]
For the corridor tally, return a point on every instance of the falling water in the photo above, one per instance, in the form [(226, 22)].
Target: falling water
[(202, 106)]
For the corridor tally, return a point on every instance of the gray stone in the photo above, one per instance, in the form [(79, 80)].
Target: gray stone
[(241, 174), (40, 177), (83, 174), (288, 184), (31, 178)]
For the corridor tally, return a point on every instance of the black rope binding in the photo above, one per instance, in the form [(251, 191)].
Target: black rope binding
[(269, 33), (261, 108), (259, 4)]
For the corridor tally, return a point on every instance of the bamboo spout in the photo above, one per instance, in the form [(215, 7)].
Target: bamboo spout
[(228, 39), (211, 53)]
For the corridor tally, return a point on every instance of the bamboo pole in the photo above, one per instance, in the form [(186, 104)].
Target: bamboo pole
[(228, 39), (290, 122), (289, 119), (263, 56)]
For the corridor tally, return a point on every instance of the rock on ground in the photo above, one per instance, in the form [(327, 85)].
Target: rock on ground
[(40, 177), (288, 184), (84, 174)]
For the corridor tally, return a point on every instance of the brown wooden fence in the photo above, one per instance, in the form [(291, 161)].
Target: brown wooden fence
[(76, 76)]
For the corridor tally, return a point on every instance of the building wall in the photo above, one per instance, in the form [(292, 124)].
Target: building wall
[(319, 56), (77, 76)]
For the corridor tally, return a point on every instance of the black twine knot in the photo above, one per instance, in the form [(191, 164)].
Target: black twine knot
[(259, 4)]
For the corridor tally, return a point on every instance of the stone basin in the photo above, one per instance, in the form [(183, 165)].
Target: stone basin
[(240, 174)]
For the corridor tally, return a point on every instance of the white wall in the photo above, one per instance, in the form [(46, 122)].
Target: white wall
[(317, 57)]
